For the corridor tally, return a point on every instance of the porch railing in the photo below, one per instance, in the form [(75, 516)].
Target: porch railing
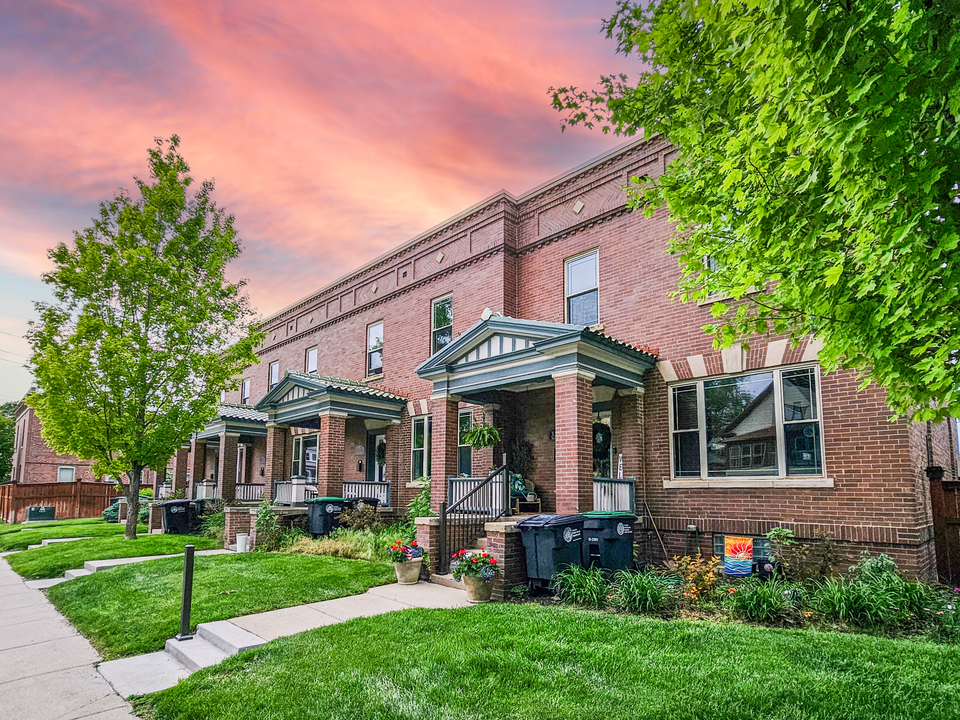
[(164, 490), (470, 506), (249, 492), (378, 490), (283, 492), (614, 494), (205, 490)]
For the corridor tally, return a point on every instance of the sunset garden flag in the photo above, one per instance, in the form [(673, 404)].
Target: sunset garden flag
[(738, 556)]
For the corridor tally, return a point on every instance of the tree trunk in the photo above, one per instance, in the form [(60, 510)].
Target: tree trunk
[(133, 502)]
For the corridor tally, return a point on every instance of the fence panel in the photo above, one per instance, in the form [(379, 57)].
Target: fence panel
[(70, 500)]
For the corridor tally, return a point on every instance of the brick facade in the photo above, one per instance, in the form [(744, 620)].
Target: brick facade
[(33, 460)]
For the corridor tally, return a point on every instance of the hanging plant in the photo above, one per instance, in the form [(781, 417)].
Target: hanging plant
[(481, 436)]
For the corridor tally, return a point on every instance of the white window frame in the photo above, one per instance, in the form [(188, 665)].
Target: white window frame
[(781, 479), (273, 378), (465, 412), (368, 371), (433, 318), (427, 448), (245, 391), (73, 473), (316, 359), (566, 284)]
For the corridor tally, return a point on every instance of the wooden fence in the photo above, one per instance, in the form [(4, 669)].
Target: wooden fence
[(71, 500)]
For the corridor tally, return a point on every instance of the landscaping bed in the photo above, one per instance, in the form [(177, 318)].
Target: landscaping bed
[(54, 560), (523, 661), (133, 609), (31, 534)]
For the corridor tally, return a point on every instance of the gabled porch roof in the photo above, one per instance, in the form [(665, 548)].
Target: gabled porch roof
[(235, 418), (301, 396), (505, 353)]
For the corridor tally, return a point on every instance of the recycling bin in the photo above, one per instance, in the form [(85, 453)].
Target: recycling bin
[(324, 514), (608, 539), (40, 514), (179, 517), (551, 543)]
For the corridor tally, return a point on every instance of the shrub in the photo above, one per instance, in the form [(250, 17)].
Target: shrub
[(111, 513), (699, 576), (856, 604), (268, 528), (354, 544), (582, 586), (644, 592), (363, 518), (803, 559), (420, 505), (214, 525), (761, 601)]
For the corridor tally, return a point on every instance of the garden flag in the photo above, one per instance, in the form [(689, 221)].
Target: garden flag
[(738, 556)]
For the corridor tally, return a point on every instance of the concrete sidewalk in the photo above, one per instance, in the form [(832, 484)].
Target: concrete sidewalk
[(46, 667)]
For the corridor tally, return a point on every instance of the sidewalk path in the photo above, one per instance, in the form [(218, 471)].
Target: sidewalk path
[(46, 667)]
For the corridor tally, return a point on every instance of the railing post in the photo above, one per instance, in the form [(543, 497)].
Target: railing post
[(442, 540)]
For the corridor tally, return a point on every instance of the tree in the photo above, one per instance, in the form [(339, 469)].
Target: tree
[(145, 329), (7, 424), (817, 173)]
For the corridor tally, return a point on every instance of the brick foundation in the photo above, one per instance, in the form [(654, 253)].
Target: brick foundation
[(505, 543), (155, 520), (239, 519), (428, 538)]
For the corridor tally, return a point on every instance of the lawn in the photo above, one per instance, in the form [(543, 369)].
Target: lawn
[(54, 560), (133, 609), (6, 529), (32, 534), (527, 661)]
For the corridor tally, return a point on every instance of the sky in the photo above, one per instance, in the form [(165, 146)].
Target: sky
[(334, 131)]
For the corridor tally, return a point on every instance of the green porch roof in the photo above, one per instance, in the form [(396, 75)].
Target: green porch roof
[(235, 418), (301, 396)]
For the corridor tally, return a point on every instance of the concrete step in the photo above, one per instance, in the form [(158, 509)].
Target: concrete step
[(98, 565), (74, 574), (227, 637), (447, 581), (52, 541), (33, 547), (44, 584), (195, 653), (481, 543)]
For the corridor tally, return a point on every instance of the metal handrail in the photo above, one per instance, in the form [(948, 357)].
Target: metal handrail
[(462, 523)]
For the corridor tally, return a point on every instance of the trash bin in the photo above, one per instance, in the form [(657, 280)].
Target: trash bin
[(359, 502), (179, 517), (324, 514), (551, 543), (40, 514), (608, 539)]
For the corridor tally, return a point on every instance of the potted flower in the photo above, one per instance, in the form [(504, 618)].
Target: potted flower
[(477, 571), (407, 560)]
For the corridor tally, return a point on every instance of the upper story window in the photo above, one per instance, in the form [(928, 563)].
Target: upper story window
[(245, 391), (375, 348), (442, 323), (310, 362), (582, 289), (223, 396), (464, 451), (273, 374), (761, 424)]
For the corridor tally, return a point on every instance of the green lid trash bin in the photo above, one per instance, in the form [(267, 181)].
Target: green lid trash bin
[(608, 539), (551, 543), (324, 514), (179, 517), (41, 514)]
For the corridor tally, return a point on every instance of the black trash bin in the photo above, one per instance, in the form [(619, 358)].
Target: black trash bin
[(608, 539), (324, 514), (179, 517), (552, 543), (359, 502)]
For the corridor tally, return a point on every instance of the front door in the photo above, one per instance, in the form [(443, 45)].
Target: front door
[(377, 457)]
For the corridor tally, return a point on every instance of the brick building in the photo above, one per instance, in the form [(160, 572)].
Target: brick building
[(548, 314), (34, 462)]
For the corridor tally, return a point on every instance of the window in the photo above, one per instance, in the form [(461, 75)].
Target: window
[(375, 348), (245, 392), (582, 294), (420, 465), (66, 474), (762, 424), (305, 457), (464, 451), (273, 374), (310, 363), (442, 328)]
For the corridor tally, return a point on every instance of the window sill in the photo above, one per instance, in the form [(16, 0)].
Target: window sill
[(416, 484), (748, 482), (371, 378)]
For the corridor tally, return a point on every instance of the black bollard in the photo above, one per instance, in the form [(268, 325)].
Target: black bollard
[(184, 633)]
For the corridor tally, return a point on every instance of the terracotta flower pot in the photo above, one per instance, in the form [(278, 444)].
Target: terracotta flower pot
[(478, 589), (408, 573)]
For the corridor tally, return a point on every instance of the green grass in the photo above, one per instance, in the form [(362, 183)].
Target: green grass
[(133, 609), (54, 560), (32, 534), (5, 529), (528, 661)]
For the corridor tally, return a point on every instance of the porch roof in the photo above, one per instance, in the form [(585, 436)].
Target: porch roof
[(504, 352), (301, 396), (235, 418)]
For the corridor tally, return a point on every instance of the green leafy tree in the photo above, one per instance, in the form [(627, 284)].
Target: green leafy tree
[(816, 176), (7, 425), (145, 329)]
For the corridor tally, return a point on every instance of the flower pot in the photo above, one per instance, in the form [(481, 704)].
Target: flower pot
[(478, 589), (242, 540), (408, 573)]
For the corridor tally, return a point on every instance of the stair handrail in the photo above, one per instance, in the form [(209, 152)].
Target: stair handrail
[(486, 481)]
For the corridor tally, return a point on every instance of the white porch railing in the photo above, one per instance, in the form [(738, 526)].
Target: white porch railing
[(614, 495), (205, 490), (458, 488), (249, 492), (164, 490), (378, 490), (283, 492)]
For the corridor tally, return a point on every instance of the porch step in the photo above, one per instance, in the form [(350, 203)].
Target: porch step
[(194, 654), (74, 574), (481, 543), (447, 581), (227, 637)]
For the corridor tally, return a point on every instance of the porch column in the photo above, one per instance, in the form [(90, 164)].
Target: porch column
[(227, 469), (443, 453), (573, 391), (275, 468), (198, 464), (631, 439), (181, 463), (333, 427)]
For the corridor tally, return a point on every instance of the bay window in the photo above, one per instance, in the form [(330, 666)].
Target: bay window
[(760, 424)]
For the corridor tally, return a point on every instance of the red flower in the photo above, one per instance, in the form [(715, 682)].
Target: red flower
[(413, 544), (475, 559), (493, 561)]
